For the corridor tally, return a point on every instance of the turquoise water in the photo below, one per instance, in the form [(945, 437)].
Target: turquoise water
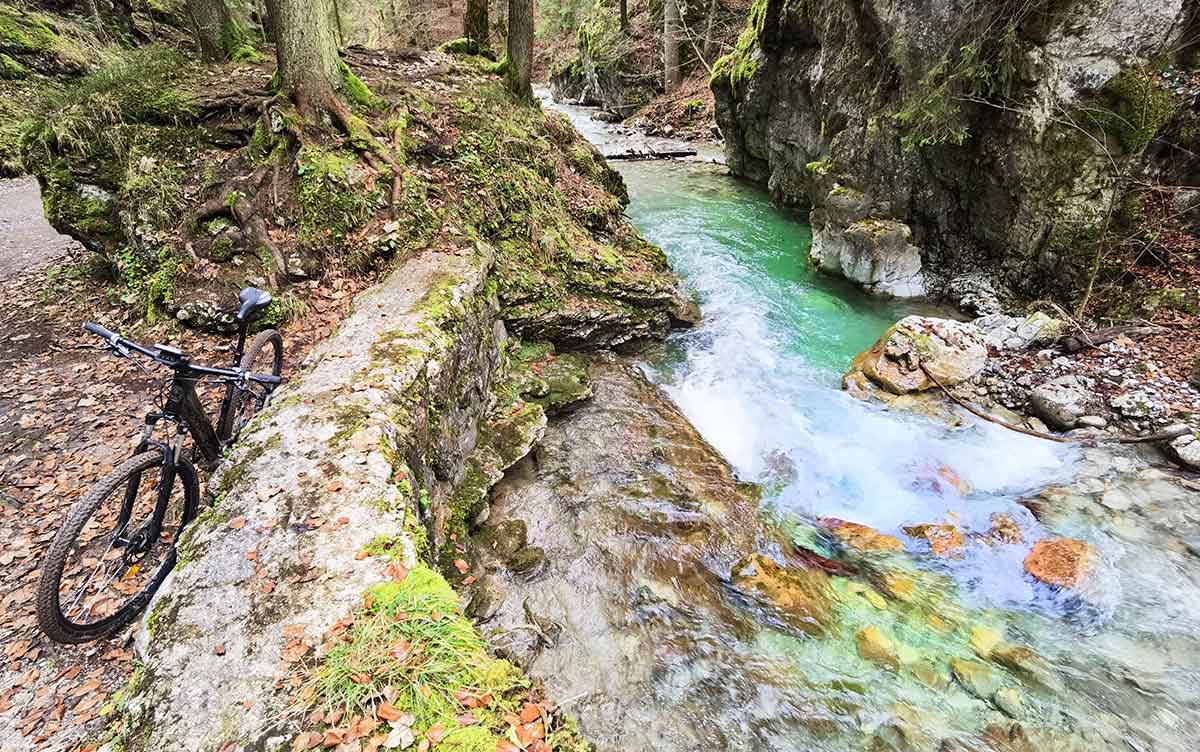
[(760, 379), (760, 376)]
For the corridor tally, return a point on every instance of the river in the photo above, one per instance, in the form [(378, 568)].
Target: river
[(661, 648)]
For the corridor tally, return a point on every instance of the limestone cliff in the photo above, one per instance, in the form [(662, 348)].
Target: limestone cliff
[(939, 138)]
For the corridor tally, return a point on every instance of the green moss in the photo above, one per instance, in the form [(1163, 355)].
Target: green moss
[(107, 112), (24, 32), (1137, 107), (11, 69), (737, 68), (428, 654), (331, 204), (464, 46), (238, 45), (357, 91), (350, 420), (71, 210), (386, 546)]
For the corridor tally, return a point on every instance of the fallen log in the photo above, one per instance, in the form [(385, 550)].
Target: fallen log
[(1073, 343), (633, 155)]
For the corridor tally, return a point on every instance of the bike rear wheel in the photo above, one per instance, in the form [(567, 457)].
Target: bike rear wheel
[(107, 560), (264, 355)]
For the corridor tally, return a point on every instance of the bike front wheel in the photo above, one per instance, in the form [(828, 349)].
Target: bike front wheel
[(116, 547)]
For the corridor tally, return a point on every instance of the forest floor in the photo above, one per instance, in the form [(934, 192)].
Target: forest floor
[(66, 417)]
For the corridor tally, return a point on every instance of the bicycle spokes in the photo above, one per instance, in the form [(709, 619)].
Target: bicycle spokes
[(119, 548)]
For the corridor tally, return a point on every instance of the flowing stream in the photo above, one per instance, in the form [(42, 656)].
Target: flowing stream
[(655, 641)]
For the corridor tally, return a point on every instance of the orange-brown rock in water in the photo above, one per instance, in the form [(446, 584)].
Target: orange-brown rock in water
[(862, 537), (802, 596), (1005, 530), (954, 479), (1060, 561), (944, 540)]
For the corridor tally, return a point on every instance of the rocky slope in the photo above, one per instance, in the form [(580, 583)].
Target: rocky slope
[(936, 139)]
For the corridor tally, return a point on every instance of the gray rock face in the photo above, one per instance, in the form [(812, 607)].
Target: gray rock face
[(1186, 450), (875, 253), (1014, 332), (1061, 402), (385, 414), (839, 95)]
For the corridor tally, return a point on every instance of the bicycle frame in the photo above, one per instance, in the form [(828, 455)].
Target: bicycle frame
[(225, 419)]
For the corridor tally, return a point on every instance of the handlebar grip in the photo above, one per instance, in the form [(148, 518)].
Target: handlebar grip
[(99, 331), (265, 378)]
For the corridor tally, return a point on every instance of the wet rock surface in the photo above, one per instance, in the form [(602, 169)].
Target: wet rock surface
[(674, 613), (916, 348)]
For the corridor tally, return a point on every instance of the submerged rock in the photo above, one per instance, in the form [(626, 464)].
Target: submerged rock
[(801, 596), (861, 537), (976, 678), (1060, 561), (944, 540), (1005, 530), (951, 351), (875, 646)]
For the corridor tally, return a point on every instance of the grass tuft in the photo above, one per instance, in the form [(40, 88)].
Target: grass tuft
[(411, 639)]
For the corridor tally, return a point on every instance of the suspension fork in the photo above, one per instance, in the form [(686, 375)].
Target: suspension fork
[(170, 452)]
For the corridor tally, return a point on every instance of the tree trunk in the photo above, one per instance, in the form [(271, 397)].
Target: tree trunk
[(709, 42), (310, 71), (520, 48), (672, 76), (475, 23), (623, 7), (114, 19), (210, 21), (337, 23)]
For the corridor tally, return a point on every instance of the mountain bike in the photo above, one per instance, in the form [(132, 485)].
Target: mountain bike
[(118, 542)]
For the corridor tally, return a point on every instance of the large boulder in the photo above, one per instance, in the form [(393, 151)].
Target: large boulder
[(874, 252), (913, 350), (1062, 401)]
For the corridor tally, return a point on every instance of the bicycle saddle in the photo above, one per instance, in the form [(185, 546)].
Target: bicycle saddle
[(252, 301)]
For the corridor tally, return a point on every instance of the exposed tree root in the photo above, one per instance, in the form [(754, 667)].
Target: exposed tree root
[(232, 200)]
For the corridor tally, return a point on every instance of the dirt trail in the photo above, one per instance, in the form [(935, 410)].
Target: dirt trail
[(27, 242), (66, 416)]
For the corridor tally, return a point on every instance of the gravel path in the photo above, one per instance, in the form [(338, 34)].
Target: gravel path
[(27, 241)]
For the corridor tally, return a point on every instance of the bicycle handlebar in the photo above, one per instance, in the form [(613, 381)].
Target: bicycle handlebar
[(122, 346), (99, 331)]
